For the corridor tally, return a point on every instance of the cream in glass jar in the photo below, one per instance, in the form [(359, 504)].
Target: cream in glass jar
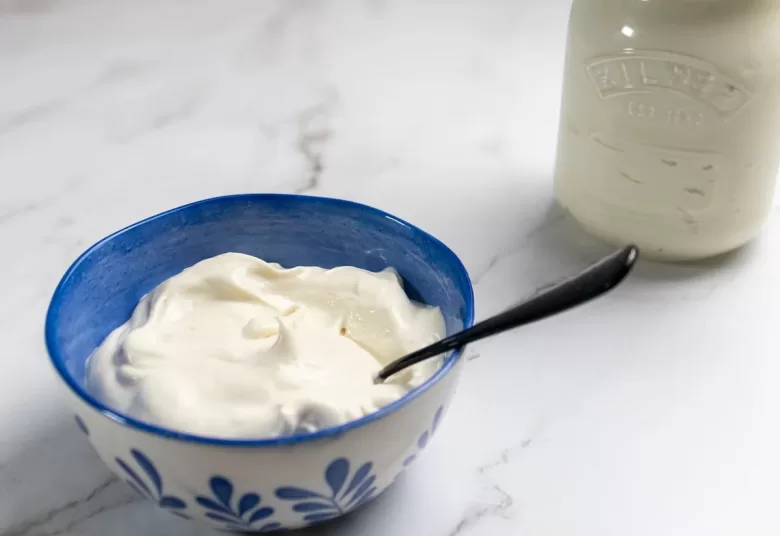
[(670, 122)]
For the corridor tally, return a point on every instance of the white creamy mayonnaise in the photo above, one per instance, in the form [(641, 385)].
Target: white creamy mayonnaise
[(235, 347)]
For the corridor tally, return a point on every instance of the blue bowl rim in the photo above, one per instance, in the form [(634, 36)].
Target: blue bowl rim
[(58, 361)]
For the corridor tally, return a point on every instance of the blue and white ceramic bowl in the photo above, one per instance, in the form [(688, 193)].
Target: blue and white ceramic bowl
[(255, 484)]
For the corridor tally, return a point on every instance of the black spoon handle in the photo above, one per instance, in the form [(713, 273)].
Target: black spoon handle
[(596, 280)]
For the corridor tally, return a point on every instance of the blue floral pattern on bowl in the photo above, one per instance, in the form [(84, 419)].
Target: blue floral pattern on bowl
[(422, 441), (247, 514), (342, 496), (152, 486)]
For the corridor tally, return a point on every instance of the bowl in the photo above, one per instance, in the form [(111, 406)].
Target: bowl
[(255, 484)]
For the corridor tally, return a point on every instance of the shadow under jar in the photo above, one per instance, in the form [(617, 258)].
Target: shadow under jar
[(670, 122)]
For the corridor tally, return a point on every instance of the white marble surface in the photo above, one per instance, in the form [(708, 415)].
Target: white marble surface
[(655, 411)]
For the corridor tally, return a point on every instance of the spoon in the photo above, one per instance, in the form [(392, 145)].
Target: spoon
[(594, 281)]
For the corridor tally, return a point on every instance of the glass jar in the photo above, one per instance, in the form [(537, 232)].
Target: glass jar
[(670, 122)]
